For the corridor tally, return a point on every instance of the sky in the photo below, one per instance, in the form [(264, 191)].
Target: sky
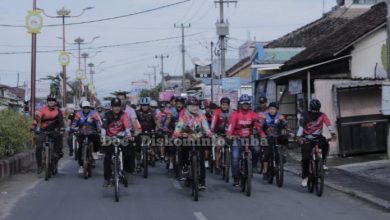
[(255, 19)]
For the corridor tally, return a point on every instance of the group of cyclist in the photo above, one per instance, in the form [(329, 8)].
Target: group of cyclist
[(177, 118)]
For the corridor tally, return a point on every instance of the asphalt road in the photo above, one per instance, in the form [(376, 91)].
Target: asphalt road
[(68, 196)]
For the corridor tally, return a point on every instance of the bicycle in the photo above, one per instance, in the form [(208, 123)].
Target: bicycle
[(75, 145), (275, 162), (146, 156), (246, 171), (117, 163), (316, 176), (87, 148), (224, 161), (48, 158)]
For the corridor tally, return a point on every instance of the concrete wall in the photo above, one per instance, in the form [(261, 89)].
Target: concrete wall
[(366, 56), (355, 103)]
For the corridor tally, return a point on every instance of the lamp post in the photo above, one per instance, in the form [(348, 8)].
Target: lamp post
[(64, 13)]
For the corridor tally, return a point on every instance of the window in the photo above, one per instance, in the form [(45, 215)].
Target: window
[(365, 2)]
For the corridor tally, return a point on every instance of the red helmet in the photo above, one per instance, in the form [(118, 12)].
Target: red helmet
[(51, 98), (192, 101)]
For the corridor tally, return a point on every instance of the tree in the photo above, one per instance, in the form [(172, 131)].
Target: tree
[(152, 93)]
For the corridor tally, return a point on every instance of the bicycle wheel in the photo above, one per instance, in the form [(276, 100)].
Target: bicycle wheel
[(242, 176), (195, 177), (90, 158), (248, 174), (145, 160), (311, 179), (45, 161), (222, 163), (75, 147), (85, 161), (271, 172), (116, 178), (319, 182), (227, 165), (279, 169)]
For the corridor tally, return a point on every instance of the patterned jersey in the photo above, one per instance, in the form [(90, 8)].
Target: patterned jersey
[(163, 119), (49, 118), (312, 123), (220, 121), (114, 124), (147, 120), (242, 123), (274, 124), (87, 122), (192, 124)]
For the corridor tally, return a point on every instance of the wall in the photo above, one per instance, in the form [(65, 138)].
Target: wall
[(367, 54), (363, 102)]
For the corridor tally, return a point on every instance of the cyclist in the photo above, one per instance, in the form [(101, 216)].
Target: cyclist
[(262, 109), (99, 109), (88, 122), (146, 117), (70, 117), (115, 122), (163, 119), (219, 126), (193, 124), (50, 119), (178, 109), (153, 105), (273, 122), (242, 124), (310, 129)]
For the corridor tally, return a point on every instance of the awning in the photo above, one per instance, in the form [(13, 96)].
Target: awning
[(357, 84), (290, 72)]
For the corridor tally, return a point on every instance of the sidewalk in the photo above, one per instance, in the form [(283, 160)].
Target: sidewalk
[(369, 181)]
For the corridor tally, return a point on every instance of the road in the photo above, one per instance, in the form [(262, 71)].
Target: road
[(68, 196)]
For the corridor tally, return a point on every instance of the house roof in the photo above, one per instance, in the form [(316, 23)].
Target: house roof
[(319, 29), (326, 48)]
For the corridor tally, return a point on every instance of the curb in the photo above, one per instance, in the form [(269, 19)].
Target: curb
[(13, 165), (361, 195)]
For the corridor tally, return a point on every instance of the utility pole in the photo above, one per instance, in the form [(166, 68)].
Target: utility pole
[(91, 65), (155, 73), (212, 72), (162, 57), (183, 51), (222, 32), (33, 66), (388, 70), (149, 76)]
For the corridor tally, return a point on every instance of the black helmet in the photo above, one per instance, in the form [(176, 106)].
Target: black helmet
[(273, 104), (315, 105), (51, 98), (162, 104), (115, 102), (263, 100), (180, 99), (192, 101), (225, 100)]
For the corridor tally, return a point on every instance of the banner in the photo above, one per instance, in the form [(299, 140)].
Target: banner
[(231, 84), (166, 96)]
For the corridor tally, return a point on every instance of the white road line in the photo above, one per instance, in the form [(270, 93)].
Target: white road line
[(200, 216), (176, 184)]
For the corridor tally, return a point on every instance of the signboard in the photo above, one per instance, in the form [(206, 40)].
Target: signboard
[(203, 71), (231, 84), (295, 86), (64, 58), (386, 99), (166, 96), (34, 22)]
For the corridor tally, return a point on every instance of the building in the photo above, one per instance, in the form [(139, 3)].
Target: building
[(11, 97)]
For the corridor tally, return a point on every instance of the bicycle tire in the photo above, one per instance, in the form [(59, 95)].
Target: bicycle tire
[(46, 162), (242, 176), (75, 148), (90, 159), (116, 178), (145, 160), (195, 178), (222, 164), (271, 172), (227, 166), (320, 178), (248, 174), (311, 180), (279, 171), (85, 161)]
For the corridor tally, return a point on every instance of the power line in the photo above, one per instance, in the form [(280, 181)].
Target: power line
[(105, 19), (99, 47)]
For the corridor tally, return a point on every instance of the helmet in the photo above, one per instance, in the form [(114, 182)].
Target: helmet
[(180, 99), (213, 106), (162, 104), (107, 106), (115, 102), (263, 99), (85, 104), (192, 101), (144, 101), (245, 99), (153, 103), (225, 100), (273, 104), (51, 98), (315, 105), (207, 103)]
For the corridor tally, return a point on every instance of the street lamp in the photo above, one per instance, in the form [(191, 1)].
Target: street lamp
[(64, 13)]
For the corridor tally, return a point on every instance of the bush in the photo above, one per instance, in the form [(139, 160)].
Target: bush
[(14, 132)]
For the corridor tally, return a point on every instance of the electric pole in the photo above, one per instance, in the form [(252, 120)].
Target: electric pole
[(155, 73), (162, 57), (183, 51), (222, 32), (388, 69), (149, 76), (211, 70)]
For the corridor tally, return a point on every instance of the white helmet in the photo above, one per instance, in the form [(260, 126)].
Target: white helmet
[(85, 104), (154, 104)]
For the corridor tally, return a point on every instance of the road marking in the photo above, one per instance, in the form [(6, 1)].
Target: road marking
[(200, 216), (176, 184)]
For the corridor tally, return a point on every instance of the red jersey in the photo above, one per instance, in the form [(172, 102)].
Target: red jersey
[(313, 123), (50, 119), (220, 121), (115, 124), (242, 124)]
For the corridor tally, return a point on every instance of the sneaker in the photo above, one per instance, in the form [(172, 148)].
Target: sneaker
[(206, 164), (106, 183), (202, 186), (236, 182), (171, 166), (326, 168), (95, 156), (100, 154), (81, 170), (304, 182), (183, 178)]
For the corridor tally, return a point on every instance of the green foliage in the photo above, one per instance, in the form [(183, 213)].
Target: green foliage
[(152, 93), (14, 132)]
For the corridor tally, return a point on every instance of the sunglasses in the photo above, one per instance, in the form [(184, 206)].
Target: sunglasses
[(51, 100), (85, 107)]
